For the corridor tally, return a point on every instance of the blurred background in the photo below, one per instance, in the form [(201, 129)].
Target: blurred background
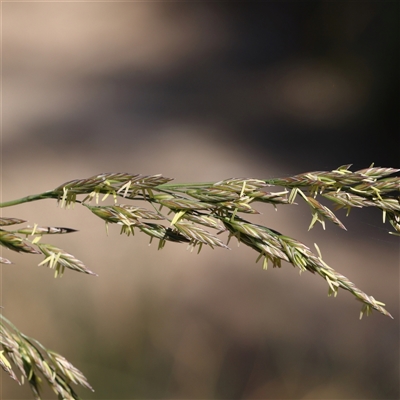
[(202, 92)]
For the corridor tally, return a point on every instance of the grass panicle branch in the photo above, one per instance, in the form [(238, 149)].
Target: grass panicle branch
[(195, 213), (34, 363), (55, 258), (58, 260)]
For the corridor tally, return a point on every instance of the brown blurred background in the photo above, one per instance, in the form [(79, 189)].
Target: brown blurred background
[(201, 92)]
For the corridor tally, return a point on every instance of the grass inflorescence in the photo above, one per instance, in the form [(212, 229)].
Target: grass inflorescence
[(196, 213), (34, 362)]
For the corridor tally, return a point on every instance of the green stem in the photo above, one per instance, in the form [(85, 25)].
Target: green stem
[(34, 197), (178, 187), (182, 187)]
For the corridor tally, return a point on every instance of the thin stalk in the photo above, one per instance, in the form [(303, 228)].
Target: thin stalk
[(34, 197), (166, 188), (184, 186)]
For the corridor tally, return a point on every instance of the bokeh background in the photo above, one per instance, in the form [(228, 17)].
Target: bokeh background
[(201, 92)]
